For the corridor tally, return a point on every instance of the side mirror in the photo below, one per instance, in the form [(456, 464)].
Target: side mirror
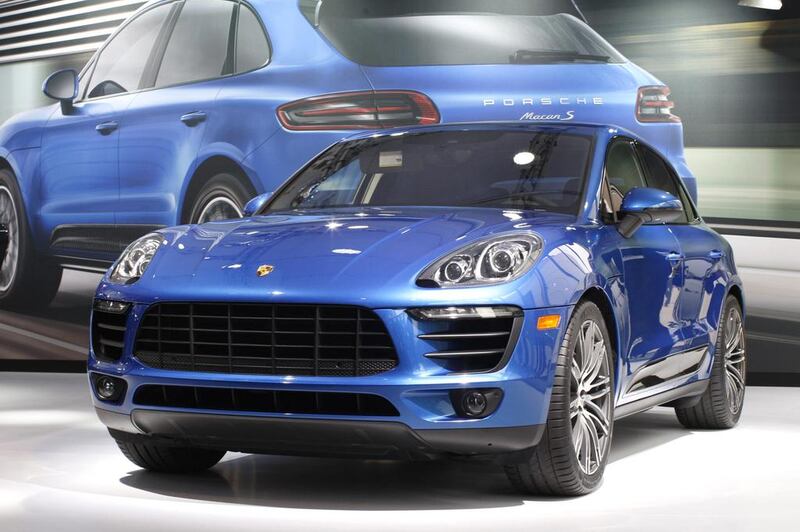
[(648, 206), (255, 204), (62, 86)]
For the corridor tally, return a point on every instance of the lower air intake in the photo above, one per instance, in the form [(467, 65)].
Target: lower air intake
[(265, 401)]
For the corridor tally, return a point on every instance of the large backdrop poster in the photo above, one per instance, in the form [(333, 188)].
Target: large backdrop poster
[(734, 73)]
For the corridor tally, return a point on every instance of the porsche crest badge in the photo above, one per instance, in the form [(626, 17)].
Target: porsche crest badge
[(264, 270)]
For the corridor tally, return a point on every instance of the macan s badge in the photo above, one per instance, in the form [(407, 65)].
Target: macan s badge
[(545, 102)]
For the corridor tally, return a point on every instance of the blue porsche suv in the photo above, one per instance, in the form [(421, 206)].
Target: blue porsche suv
[(192, 107), (487, 291)]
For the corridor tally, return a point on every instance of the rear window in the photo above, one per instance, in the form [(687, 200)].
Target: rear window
[(532, 170), (458, 32)]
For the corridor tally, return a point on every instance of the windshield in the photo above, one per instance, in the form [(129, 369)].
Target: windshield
[(535, 170), (458, 32)]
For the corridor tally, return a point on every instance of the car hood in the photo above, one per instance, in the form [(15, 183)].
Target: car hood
[(336, 255)]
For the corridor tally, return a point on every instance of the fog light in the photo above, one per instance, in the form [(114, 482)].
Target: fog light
[(108, 389), (476, 403)]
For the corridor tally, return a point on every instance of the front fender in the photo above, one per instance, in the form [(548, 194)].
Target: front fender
[(211, 151)]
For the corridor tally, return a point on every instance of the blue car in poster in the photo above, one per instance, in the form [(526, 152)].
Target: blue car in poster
[(193, 107), (492, 291)]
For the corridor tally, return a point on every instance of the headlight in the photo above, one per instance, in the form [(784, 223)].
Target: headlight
[(495, 260), (134, 261)]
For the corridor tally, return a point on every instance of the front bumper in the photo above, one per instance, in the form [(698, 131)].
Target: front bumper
[(426, 423), (315, 437)]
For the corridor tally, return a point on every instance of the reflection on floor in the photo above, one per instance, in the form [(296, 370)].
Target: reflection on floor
[(60, 471)]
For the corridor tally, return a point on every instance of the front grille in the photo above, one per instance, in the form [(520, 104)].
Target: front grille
[(108, 333), (266, 401), (280, 339), (471, 345)]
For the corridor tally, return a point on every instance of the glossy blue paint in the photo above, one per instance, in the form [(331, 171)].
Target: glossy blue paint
[(55, 88), (664, 288), (649, 200), (138, 171), (256, 204)]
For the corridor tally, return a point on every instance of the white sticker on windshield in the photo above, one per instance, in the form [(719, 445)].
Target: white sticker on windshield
[(390, 159)]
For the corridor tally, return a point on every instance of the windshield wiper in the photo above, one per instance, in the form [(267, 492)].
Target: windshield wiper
[(528, 200), (521, 57)]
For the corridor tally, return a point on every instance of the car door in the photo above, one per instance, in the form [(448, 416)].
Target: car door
[(79, 156), (701, 249), (165, 126), (652, 275)]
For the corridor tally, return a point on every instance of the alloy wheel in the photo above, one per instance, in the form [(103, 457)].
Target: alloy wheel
[(219, 208), (734, 360), (590, 398), (10, 222)]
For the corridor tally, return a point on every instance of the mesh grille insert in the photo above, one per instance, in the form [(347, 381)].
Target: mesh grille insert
[(267, 401), (261, 339)]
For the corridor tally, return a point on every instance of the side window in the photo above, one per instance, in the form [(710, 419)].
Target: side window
[(252, 47), (623, 172), (199, 46), (661, 177), (120, 65)]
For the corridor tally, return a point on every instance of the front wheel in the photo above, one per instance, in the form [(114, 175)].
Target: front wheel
[(26, 280), (169, 459), (223, 197), (721, 405), (572, 455)]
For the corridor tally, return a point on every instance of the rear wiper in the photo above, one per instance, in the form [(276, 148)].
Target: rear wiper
[(553, 56)]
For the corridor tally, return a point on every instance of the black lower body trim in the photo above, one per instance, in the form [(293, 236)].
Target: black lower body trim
[(685, 392), (99, 238), (313, 437)]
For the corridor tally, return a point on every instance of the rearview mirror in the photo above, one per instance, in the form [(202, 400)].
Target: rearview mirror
[(62, 86), (255, 204), (648, 206)]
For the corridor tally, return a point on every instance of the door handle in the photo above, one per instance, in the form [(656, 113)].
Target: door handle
[(716, 254), (194, 118), (106, 128)]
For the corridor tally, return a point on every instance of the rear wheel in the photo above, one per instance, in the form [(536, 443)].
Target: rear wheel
[(572, 455), (169, 459), (223, 197), (721, 405), (26, 280)]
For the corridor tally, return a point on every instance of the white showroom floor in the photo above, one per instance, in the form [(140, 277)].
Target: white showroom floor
[(60, 471)]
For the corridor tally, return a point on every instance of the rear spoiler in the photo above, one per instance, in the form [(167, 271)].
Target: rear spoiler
[(318, 9)]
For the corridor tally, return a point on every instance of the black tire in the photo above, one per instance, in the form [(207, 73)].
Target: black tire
[(222, 197), (553, 469), (27, 280), (720, 407), (167, 459)]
